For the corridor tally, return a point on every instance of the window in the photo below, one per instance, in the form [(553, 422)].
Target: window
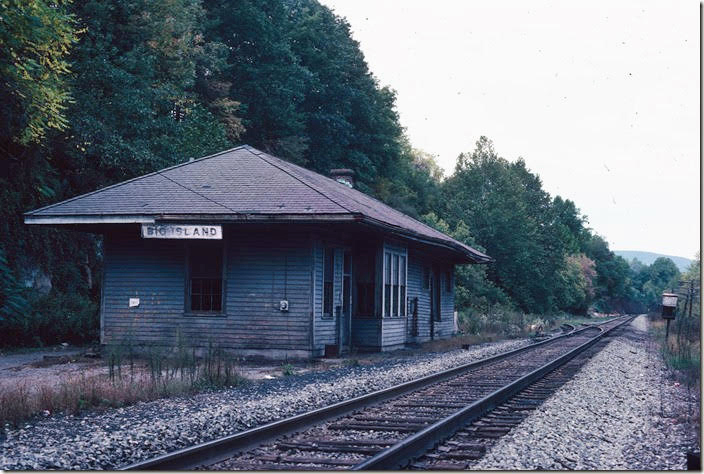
[(328, 270), (205, 277), (426, 278), (387, 284), (346, 282), (448, 281), (394, 284), (402, 287)]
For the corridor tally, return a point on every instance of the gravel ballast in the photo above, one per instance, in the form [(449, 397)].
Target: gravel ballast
[(619, 412), (122, 436)]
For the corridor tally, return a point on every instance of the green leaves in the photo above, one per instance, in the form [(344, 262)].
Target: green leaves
[(13, 302), (35, 39)]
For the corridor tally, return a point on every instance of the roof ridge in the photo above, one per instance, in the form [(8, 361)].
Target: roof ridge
[(347, 188), (157, 172), (297, 178)]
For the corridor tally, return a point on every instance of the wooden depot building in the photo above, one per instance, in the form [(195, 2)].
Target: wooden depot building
[(263, 257)]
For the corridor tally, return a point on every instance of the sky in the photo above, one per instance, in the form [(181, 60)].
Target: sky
[(600, 98)]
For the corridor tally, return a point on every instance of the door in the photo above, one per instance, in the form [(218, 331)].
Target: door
[(435, 287), (346, 313)]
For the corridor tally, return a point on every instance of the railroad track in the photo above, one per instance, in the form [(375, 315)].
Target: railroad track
[(469, 444), (395, 428)]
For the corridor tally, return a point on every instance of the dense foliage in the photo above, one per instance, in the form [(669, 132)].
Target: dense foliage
[(98, 91)]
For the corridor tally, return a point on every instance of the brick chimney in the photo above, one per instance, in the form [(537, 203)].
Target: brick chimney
[(344, 176)]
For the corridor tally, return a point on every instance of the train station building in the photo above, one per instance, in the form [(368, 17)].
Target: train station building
[(262, 257)]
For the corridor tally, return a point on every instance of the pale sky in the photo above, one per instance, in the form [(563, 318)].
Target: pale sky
[(600, 98)]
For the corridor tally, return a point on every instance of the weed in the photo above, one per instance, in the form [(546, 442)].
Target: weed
[(162, 372), (287, 370), (682, 349)]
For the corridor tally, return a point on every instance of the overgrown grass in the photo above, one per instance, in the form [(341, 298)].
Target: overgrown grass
[(498, 323), (132, 377), (501, 322), (682, 350)]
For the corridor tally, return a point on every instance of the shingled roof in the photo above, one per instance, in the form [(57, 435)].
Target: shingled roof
[(242, 183)]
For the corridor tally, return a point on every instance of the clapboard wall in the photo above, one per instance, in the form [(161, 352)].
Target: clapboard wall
[(261, 269), (325, 326), (419, 264)]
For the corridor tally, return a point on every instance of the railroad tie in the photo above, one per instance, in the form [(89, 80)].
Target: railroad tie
[(440, 466), (308, 460), (406, 428), (330, 449)]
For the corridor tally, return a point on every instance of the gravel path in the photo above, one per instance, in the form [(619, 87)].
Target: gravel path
[(619, 412), (15, 360), (121, 436)]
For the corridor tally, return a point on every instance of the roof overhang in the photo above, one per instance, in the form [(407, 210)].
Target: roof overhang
[(78, 220), (455, 247), (468, 256)]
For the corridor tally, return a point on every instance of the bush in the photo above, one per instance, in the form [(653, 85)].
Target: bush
[(52, 319), (506, 321)]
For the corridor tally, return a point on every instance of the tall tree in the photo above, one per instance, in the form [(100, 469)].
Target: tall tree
[(136, 108), (35, 38), (494, 198), (349, 120), (263, 72), (613, 283)]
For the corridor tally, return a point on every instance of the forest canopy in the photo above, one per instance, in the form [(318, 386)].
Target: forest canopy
[(98, 91)]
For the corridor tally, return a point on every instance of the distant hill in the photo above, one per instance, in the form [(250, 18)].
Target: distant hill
[(649, 257)]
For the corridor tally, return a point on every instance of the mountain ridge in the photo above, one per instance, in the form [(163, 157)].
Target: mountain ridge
[(648, 258)]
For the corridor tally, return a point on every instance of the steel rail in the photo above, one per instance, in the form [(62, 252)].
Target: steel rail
[(402, 453), (217, 450)]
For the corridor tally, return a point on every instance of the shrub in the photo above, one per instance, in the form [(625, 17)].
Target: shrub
[(52, 319)]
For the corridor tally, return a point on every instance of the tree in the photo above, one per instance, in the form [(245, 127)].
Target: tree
[(136, 109), (473, 289), (511, 216), (35, 39), (263, 72), (578, 277), (350, 121)]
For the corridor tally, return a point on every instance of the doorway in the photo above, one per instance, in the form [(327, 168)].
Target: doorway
[(435, 303), (345, 319)]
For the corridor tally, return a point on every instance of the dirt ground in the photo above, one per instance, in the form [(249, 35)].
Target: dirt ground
[(47, 366), (51, 366)]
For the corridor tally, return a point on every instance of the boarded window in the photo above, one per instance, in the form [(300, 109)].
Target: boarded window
[(205, 271), (328, 271)]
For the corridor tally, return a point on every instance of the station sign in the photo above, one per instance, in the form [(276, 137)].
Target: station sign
[(669, 299), (669, 304), (181, 231)]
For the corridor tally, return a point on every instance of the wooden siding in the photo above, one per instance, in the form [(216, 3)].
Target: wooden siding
[(393, 331), (261, 269), (417, 288), (366, 333), (326, 328), (447, 310)]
